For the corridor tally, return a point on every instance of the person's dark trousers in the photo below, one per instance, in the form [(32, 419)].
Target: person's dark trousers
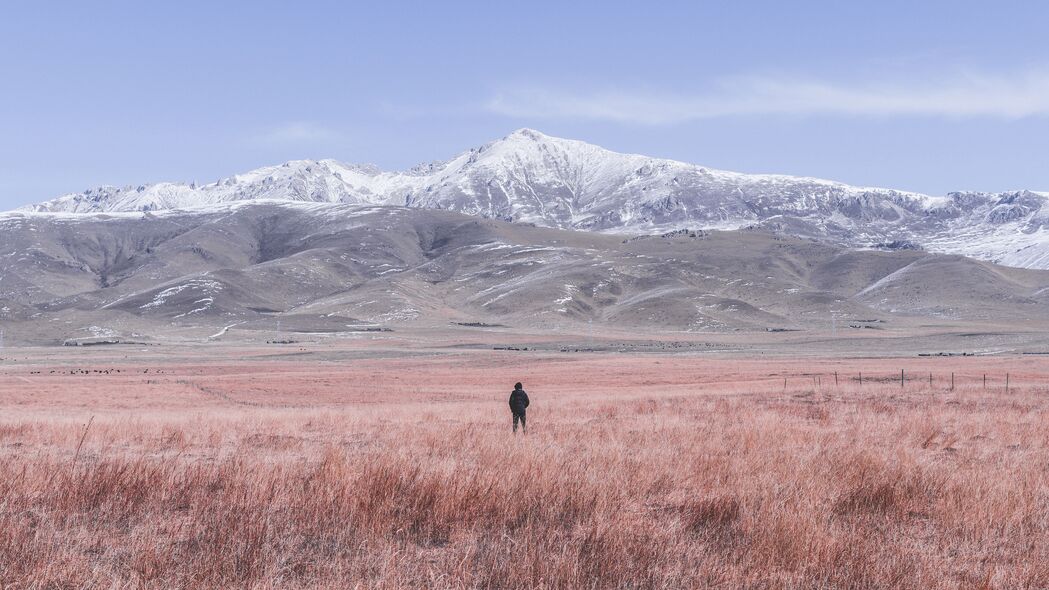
[(520, 417)]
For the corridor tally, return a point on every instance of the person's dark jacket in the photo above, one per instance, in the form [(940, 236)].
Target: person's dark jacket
[(518, 401)]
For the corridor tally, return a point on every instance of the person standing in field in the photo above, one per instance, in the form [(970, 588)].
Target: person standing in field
[(518, 405)]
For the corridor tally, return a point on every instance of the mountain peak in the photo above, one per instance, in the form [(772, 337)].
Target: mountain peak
[(527, 133), (527, 139)]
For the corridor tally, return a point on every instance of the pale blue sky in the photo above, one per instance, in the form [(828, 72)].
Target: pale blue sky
[(927, 96)]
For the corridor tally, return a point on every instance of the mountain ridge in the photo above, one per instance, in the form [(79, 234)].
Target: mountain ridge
[(260, 267), (531, 177)]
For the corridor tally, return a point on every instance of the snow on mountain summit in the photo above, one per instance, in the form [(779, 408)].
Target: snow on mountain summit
[(531, 177), (499, 179)]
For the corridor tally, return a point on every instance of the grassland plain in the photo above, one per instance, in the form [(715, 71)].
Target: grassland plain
[(246, 468)]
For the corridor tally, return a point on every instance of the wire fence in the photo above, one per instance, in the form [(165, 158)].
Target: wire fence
[(909, 379)]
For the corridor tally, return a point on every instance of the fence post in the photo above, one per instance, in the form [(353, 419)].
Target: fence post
[(985, 380), (835, 378), (952, 381), (901, 377), (861, 378), (1007, 383), (930, 380)]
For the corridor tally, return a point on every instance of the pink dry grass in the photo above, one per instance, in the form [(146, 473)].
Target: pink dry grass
[(639, 472)]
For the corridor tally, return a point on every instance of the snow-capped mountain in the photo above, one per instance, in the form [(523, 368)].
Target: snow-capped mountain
[(531, 177)]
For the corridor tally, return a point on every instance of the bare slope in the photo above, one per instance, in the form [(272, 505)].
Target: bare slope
[(334, 268)]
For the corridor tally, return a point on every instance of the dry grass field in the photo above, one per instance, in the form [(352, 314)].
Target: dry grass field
[(236, 469)]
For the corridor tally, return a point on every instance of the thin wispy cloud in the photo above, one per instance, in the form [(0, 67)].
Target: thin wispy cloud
[(295, 133), (1017, 95)]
